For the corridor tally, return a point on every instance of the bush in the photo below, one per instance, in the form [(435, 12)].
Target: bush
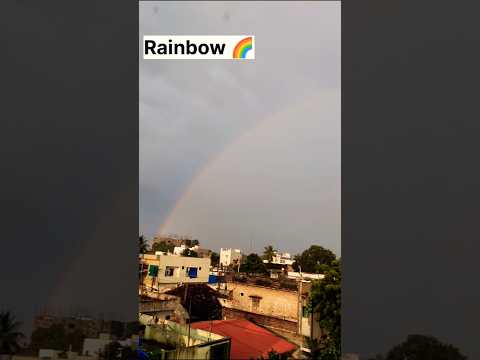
[(263, 282)]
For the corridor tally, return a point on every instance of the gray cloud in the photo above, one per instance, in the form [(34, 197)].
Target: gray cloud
[(190, 111)]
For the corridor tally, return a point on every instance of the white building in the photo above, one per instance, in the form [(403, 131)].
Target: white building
[(230, 257), (94, 347), (304, 276), (169, 269), (282, 259), (178, 250)]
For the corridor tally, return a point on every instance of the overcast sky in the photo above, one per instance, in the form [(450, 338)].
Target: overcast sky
[(244, 154)]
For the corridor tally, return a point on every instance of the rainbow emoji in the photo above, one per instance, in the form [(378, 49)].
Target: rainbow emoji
[(241, 49)]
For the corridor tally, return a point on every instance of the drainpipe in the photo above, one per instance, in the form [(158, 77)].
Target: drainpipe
[(300, 302)]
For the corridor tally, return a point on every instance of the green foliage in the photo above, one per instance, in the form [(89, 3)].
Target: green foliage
[(253, 265), (9, 335), (161, 246), (325, 300), (55, 337), (189, 253), (214, 258), (132, 328), (421, 347), (268, 253), (195, 242), (115, 351), (142, 244), (312, 259)]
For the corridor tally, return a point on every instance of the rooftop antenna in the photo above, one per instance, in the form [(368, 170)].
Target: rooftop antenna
[(251, 242)]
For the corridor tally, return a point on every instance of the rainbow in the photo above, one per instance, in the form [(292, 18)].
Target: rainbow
[(241, 49)]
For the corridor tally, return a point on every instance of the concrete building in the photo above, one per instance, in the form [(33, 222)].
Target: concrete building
[(93, 347), (174, 240), (204, 253), (88, 327), (176, 341), (163, 307), (230, 257), (160, 271), (178, 250), (272, 304), (282, 258), (305, 276)]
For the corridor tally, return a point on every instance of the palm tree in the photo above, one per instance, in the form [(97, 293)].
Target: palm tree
[(9, 334), (269, 253), (143, 245)]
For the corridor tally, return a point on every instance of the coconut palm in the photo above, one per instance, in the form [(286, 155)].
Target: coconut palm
[(143, 244), (269, 253), (9, 335)]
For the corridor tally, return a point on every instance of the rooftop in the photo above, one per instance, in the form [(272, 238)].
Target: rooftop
[(247, 339)]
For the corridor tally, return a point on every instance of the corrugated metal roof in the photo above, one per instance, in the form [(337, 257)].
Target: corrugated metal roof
[(247, 339)]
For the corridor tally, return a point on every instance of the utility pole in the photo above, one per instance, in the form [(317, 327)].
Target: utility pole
[(189, 321), (300, 302)]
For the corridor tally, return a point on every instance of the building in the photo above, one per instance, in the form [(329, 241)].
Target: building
[(163, 307), (278, 305), (204, 253), (305, 276), (201, 300), (86, 326), (177, 341), (248, 341), (282, 258), (169, 240), (94, 347), (160, 271), (178, 250), (230, 257)]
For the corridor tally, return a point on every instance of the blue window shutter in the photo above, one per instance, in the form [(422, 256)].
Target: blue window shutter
[(192, 272)]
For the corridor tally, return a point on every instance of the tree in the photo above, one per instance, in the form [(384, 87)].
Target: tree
[(421, 347), (325, 300), (57, 338), (9, 335), (189, 253), (253, 265), (269, 253), (163, 247), (195, 242), (214, 258), (142, 244), (112, 351), (312, 259)]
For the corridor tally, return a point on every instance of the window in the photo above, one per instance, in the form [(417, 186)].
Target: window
[(255, 302), (152, 270), (191, 272), (200, 268), (241, 294), (169, 270)]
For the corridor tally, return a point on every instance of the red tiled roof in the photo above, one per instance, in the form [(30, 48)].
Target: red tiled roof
[(247, 339)]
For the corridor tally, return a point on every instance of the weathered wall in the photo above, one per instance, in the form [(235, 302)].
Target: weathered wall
[(271, 302), (271, 323)]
